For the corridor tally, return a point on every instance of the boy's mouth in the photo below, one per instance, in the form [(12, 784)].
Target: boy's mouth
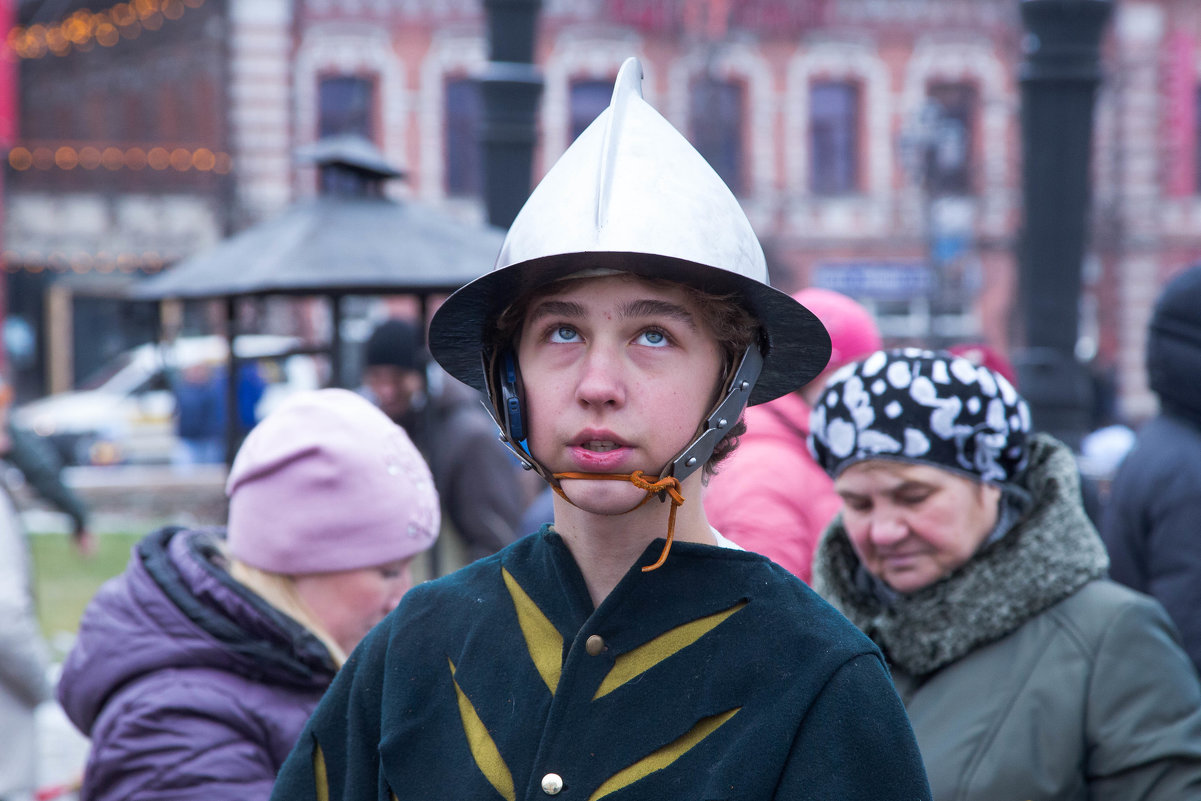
[(599, 446)]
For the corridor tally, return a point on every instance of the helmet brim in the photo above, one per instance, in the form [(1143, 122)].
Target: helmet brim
[(798, 346)]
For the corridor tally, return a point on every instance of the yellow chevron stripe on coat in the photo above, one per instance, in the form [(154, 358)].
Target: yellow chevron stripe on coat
[(320, 774), (646, 656), (483, 748), (666, 755), (543, 640)]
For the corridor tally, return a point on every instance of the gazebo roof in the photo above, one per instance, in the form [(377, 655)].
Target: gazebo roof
[(348, 240), (334, 244)]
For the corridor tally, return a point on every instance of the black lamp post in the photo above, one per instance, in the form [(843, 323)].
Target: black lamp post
[(510, 87), (1059, 77)]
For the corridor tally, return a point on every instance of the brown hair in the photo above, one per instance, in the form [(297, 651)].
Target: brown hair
[(732, 324)]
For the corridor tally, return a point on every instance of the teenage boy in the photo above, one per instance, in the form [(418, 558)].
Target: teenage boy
[(628, 650)]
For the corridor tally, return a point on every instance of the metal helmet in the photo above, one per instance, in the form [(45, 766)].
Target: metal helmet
[(632, 195)]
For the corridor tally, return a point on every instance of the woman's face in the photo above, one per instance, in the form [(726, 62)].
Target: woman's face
[(349, 603), (911, 524)]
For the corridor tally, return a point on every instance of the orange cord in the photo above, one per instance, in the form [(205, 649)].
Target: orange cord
[(670, 485)]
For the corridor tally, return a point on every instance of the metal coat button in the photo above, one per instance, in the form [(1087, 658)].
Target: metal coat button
[(552, 783), (594, 645)]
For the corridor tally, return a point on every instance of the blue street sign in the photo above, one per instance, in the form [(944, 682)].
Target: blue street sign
[(876, 280)]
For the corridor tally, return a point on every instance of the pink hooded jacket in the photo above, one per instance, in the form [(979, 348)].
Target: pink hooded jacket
[(769, 496)]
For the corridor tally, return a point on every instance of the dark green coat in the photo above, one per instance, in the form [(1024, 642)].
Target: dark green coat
[(718, 676)]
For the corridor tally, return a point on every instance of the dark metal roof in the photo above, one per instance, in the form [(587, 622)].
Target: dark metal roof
[(333, 244), (349, 150)]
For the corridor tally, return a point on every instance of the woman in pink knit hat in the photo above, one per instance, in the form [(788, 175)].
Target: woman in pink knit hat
[(195, 670)]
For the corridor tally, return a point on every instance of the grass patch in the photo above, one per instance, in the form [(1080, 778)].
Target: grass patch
[(64, 581)]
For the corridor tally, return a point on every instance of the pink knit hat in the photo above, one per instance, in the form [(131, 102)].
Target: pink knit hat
[(853, 332), (327, 483)]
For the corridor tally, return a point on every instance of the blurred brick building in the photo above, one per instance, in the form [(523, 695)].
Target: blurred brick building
[(874, 143)]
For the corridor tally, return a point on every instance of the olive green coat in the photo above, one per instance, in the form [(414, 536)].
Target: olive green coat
[(1027, 674)]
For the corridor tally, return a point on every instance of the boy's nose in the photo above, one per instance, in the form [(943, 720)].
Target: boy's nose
[(600, 380)]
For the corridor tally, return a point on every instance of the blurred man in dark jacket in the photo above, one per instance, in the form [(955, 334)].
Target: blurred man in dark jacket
[(1150, 524), (42, 469), (481, 485)]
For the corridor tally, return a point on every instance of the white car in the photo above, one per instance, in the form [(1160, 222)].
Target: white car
[(124, 414)]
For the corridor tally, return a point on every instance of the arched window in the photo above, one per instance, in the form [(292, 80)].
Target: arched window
[(588, 99), (834, 124), (716, 110), (346, 104), (464, 165), (949, 153)]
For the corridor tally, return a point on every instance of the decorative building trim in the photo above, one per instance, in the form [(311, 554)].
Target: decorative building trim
[(740, 61), (973, 62), (1139, 29), (588, 52), (924, 13), (85, 232), (459, 50), (393, 9), (259, 91), (865, 215), (1181, 216), (1139, 281), (352, 50)]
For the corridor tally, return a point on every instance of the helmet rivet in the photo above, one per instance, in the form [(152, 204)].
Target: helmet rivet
[(744, 386), (721, 423), (691, 461)]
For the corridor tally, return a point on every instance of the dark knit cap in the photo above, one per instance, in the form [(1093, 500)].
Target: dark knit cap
[(1174, 345), (395, 343), (924, 407)]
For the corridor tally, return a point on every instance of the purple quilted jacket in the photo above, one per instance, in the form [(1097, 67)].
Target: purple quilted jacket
[(189, 685)]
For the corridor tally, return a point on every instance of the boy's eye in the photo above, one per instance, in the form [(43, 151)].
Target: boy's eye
[(912, 498), (652, 337), (564, 333)]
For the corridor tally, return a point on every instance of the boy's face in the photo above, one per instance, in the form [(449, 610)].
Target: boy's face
[(618, 373)]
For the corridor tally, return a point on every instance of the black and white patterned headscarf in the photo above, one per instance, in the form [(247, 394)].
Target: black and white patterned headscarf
[(915, 405)]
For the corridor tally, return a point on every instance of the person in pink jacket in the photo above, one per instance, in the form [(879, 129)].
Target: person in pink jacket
[(770, 496)]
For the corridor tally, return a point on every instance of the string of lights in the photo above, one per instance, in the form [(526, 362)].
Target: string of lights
[(112, 158), (83, 29), (81, 263)]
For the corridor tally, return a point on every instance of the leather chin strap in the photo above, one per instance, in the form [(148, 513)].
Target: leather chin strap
[(716, 425), (668, 487)]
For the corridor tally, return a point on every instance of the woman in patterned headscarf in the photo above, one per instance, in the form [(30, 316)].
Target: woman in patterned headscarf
[(963, 550)]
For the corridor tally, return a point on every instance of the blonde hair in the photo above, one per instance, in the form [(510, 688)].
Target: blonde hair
[(279, 590)]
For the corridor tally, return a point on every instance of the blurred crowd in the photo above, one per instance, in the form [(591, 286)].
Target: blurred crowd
[(1024, 620)]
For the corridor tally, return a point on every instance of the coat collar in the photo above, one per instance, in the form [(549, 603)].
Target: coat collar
[(1048, 555)]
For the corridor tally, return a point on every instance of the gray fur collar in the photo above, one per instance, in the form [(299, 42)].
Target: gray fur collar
[(1051, 552)]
